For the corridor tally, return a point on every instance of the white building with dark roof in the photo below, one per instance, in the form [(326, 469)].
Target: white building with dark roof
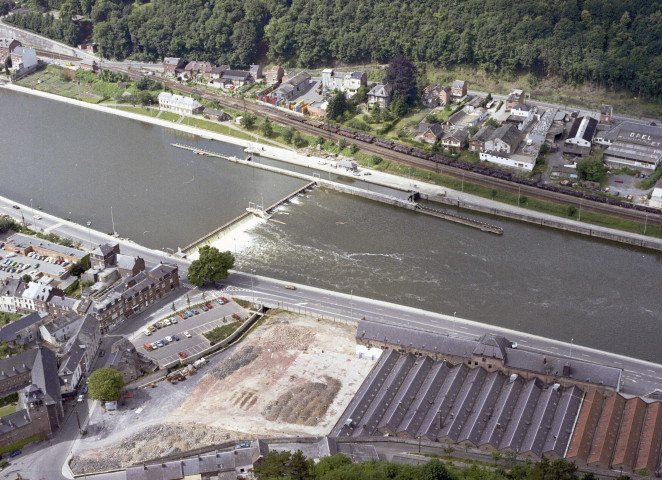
[(348, 82), (179, 104), (581, 134), (292, 87)]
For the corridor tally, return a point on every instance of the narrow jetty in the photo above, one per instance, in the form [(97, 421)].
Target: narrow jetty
[(202, 151), (485, 227)]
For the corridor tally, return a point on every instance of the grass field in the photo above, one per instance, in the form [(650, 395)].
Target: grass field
[(7, 409), (221, 333), (142, 111), (169, 116)]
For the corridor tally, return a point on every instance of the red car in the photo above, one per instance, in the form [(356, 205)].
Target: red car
[(182, 355), (225, 300), (236, 317), (182, 315), (209, 305)]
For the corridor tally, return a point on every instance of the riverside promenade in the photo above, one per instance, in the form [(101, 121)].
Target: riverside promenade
[(428, 191)]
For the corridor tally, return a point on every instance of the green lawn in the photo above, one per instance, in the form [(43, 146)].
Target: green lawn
[(216, 127), (169, 116), (7, 409), (142, 111)]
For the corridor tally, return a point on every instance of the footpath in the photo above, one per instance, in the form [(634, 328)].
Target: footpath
[(428, 191)]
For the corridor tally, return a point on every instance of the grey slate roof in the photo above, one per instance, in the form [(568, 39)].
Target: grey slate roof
[(5, 42), (482, 409), (9, 332), (405, 396), (44, 375), (103, 250), (380, 403), (381, 90), (172, 60), (588, 132), (452, 425), (416, 414), (14, 420), (522, 412), (541, 422), (501, 414), (484, 134), (492, 346), (443, 402), (21, 240), (506, 132), (563, 421)]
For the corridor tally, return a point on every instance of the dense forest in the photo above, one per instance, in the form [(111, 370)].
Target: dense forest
[(605, 42)]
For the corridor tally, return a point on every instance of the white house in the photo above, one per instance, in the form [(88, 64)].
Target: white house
[(580, 136), (23, 58), (504, 139), (521, 162), (179, 104), (60, 329), (348, 82)]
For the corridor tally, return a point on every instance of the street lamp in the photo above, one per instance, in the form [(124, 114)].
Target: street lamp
[(33, 217), (351, 304), (89, 232), (454, 313), (252, 287)]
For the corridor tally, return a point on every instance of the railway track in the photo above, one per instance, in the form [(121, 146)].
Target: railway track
[(651, 218), (56, 56)]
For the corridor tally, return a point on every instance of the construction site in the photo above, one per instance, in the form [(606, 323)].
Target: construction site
[(291, 376)]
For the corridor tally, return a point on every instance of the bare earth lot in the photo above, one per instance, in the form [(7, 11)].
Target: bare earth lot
[(292, 376)]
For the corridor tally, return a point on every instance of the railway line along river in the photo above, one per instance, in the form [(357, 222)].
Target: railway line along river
[(542, 281)]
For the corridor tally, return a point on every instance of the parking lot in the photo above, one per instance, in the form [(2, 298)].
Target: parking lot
[(195, 325), (13, 266)]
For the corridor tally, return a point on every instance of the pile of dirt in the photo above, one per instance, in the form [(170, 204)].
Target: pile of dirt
[(239, 359), (304, 404), (142, 447), (282, 336)]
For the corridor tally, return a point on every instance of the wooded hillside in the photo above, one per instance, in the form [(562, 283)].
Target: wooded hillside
[(610, 43)]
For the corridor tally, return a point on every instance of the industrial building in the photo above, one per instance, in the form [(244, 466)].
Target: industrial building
[(633, 145)]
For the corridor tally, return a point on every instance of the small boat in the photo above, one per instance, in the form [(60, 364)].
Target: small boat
[(195, 152)]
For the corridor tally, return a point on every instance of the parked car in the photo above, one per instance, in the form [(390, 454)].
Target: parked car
[(182, 355), (151, 328), (15, 453), (147, 332), (196, 312), (16, 207), (154, 345), (168, 339), (236, 317), (175, 337), (166, 322), (225, 300), (157, 325), (188, 313), (204, 308), (85, 388), (209, 305), (81, 398), (187, 335), (182, 315), (147, 347), (173, 320), (165, 341), (290, 287)]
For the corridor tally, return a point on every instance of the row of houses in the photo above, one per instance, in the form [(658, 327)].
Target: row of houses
[(220, 76), (439, 95)]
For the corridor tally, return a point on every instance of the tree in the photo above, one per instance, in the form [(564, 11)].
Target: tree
[(6, 224), (337, 106), (273, 467), (248, 120), (300, 468), (144, 97), (591, 168), (341, 143), (353, 148), (328, 464), (435, 470), (212, 265), (267, 129), (26, 278), (288, 134), (298, 140), (401, 75), (105, 384), (8, 65), (78, 268)]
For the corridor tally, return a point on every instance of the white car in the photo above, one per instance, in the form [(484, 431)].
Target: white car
[(147, 332), (173, 320), (37, 217), (168, 339), (81, 398), (187, 335), (166, 322)]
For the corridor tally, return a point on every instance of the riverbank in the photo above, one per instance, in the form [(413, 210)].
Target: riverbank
[(427, 190)]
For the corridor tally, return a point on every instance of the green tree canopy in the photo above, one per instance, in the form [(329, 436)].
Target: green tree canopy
[(401, 75), (212, 265), (105, 384), (591, 168), (337, 106), (248, 120)]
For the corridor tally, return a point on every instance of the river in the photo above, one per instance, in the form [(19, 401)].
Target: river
[(542, 281)]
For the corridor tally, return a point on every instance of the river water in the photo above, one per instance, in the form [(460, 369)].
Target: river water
[(542, 281)]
